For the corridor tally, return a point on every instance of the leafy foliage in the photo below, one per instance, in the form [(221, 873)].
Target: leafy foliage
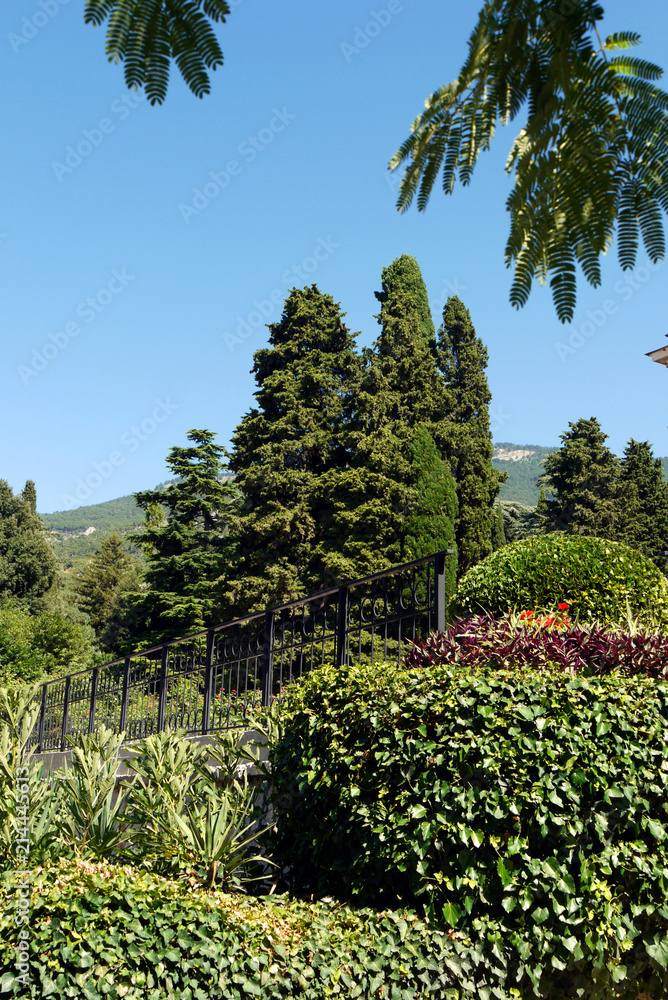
[(147, 36), (37, 647), (525, 812), (598, 579), (148, 937), (520, 643), (590, 156)]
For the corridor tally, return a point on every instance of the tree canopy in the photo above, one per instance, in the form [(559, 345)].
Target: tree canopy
[(589, 158)]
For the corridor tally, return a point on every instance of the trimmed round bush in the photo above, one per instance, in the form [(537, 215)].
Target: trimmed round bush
[(594, 576)]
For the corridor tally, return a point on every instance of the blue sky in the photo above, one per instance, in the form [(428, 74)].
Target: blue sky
[(143, 249)]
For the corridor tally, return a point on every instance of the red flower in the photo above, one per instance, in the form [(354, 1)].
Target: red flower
[(563, 606), (527, 614)]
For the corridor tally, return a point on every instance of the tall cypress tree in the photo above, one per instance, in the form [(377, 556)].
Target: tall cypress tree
[(384, 503), (582, 477), (28, 565), (401, 387), (643, 514), (464, 438), (282, 448)]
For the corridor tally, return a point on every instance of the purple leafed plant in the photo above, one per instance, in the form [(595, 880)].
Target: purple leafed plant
[(478, 641)]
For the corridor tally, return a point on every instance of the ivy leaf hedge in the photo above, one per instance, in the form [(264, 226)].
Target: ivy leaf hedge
[(104, 931), (526, 813)]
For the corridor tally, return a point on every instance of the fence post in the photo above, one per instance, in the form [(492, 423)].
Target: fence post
[(208, 680), (342, 626), (124, 695), (42, 720), (66, 708), (162, 690), (93, 699), (439, 583), (267, 677)]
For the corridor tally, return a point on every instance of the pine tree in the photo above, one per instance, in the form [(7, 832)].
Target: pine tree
[(188, 553), (582, 477), (28, 565), (465, 439), (643, 513), (284, 447), (108, 573)]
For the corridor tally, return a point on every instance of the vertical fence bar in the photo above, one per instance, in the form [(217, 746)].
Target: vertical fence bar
[(162, 690), (93, 699), (342, 626), (267, 659), (66, 708), (124, 695), (208, 680), (439, 583), (42, 720)]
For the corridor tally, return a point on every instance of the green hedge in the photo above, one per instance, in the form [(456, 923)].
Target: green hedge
[(99, 931), (594, 576), (526, 813)]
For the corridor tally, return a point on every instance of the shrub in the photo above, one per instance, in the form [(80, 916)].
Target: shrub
[(97, 930), (525, 812), (38, 647), (588, 650), (596, 577)]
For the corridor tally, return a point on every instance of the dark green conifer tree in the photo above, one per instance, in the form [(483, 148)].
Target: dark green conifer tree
[(370, 507), (643, 510), (282, 449), (582, 477), (28, 565), (465, 439), (109, 572), (430, 526), (188, 553), (498, 530)]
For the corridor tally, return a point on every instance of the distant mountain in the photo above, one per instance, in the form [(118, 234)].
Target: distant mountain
[(78, 533), (523, 464)]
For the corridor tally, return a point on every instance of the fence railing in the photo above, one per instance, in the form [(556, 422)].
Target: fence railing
[(209, 681)]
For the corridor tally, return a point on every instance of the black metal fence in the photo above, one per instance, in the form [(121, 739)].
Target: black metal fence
[(209, 681)]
